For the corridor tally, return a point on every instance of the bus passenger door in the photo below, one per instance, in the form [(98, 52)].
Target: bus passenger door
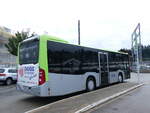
[(103, 68)]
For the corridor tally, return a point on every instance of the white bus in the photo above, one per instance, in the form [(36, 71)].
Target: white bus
[(48, 66)]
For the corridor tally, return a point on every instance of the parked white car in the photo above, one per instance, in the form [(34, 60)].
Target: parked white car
[(8, 75)]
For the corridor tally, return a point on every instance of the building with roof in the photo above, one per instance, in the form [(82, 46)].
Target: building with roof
[(6, 59)]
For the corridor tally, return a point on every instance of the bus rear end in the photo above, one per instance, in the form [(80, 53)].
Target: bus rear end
[(31, 76)]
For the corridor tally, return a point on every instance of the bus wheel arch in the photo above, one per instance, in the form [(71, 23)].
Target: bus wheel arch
[(90, 83), (120, 77)]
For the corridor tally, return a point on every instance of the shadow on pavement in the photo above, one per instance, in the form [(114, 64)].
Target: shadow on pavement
[(2, 83), (47, 100)]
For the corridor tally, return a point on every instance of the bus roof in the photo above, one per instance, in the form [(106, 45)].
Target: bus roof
[(53, 38), (56, 39)]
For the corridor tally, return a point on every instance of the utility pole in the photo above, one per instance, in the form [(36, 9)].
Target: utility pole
[(78, 32)]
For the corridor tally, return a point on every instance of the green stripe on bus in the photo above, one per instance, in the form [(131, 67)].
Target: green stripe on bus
[(43, 56), (53, 38), (43, 61)]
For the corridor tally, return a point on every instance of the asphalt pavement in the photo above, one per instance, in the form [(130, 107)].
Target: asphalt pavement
[(13, 101), (76, 103), (136, 101)]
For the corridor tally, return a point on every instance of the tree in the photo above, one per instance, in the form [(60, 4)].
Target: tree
[(145, 52), (14, 41)]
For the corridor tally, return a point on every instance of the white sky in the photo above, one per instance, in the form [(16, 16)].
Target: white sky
[(106, 24)]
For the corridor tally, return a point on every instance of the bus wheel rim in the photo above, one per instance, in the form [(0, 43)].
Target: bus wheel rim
[(120, 78), (91, 85)]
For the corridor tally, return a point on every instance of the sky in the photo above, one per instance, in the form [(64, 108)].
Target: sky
[(106, 24)]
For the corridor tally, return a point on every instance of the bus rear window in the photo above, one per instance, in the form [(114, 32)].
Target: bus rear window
[(29, 52)]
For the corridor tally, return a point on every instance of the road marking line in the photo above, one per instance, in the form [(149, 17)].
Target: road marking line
[(106, 99)]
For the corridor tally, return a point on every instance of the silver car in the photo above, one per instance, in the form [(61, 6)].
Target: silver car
[(8, 75)]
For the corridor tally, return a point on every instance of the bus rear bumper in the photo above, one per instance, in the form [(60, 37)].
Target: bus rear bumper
[(41, 91), (29, 90)]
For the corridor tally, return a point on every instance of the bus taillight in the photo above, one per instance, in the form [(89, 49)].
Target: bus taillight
[(41, 76)]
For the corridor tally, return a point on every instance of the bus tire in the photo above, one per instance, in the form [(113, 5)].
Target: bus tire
[(120, 78), (90, 84)]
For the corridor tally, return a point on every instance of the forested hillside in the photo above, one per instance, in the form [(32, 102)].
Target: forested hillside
[(145, 52)]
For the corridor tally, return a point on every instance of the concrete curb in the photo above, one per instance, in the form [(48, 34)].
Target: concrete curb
[(107, 99)]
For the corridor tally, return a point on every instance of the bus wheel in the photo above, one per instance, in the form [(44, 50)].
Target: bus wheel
[(120, 78), (90, 84)]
